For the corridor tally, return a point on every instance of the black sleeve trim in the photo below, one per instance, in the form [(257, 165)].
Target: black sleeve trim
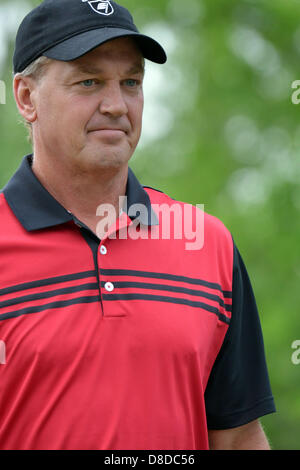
[(239, 418), (238, 390)]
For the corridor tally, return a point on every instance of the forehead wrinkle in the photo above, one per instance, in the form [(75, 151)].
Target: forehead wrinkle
[(88, 68), (92, 69), (120, 49)]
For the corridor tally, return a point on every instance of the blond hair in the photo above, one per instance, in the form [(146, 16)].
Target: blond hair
[(36, 70)]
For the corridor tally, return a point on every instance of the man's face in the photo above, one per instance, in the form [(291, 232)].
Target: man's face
[(89, 111)]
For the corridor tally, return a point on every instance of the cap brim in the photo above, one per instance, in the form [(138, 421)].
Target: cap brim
[(79, 45)]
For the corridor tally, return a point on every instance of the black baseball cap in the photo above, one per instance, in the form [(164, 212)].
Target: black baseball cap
[(67, 29)]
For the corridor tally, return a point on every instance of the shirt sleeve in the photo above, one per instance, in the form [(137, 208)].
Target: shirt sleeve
[(238, 390)]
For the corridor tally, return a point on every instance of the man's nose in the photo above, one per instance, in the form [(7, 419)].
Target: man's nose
[(112, 100)]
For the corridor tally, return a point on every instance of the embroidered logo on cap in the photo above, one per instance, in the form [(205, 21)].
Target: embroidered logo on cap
[(103, 7)]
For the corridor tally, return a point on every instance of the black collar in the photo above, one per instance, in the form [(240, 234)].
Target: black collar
[(36, 209)]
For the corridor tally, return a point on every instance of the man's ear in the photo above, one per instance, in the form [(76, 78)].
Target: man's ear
[(23, 91)]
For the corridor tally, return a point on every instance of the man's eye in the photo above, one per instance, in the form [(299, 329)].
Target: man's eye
[(88, 83), (131, 82)]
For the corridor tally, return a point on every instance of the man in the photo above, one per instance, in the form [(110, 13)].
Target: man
[(116, 337)]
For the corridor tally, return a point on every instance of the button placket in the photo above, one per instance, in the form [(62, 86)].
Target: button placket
[(111, 307), (106, 286)]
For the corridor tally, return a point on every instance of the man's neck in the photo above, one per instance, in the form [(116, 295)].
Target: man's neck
[(82, 193)]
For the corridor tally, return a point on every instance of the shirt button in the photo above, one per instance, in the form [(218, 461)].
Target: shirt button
[(109, 286), (103, 250)]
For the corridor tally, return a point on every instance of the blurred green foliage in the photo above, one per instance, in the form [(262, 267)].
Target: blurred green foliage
[(221, 130)]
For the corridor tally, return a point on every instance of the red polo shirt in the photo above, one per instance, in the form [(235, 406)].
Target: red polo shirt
[(131, 342)]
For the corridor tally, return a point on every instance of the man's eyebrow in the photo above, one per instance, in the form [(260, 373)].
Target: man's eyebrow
[(92, 70), (87, 68), (137, 68)]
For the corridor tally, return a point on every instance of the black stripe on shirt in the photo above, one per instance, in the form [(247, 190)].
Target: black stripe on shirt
[(48, 294), (173, 300), (170, 277), (52, 305), (169, 288), (47, 282)]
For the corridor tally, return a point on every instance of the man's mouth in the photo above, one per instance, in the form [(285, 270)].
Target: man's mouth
[(108, 133), (108, 129)]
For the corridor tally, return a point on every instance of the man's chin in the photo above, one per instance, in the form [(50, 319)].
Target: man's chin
[(101, 161)]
